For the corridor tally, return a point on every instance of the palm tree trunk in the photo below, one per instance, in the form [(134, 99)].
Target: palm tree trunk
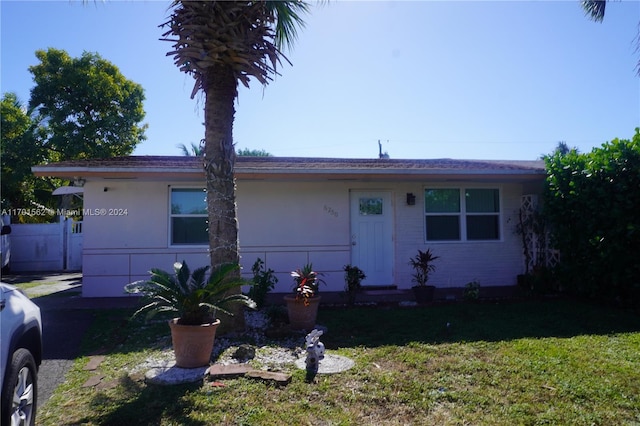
[(220, 87)]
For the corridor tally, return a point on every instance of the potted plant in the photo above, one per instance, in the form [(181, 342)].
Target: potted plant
[(472, 290), (264, 280), (195, 300), (302, 306), (422, 265), (352, 278)]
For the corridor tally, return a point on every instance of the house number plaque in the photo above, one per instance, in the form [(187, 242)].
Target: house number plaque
[(330, 211)]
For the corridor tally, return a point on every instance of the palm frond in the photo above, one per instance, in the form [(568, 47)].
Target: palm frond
[(183, 149), (198, 277), (286, 15), (196, 149), (239, 298), (193, 298), (594, 9), (241, 36)]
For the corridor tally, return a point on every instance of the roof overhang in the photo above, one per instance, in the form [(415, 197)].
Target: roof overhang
[(66, 190), (298, 169)]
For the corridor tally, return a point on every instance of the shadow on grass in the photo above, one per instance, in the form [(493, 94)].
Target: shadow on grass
[(45, 277), (466, 322), (115, 330), (136, 403)]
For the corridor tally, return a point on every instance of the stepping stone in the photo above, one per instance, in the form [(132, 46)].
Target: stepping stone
[(94, 362), (108, 385), (93, 381), (270, 376), (331, 364), (218, 371)]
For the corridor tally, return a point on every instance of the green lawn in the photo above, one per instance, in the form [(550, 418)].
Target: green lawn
[(554, 362)]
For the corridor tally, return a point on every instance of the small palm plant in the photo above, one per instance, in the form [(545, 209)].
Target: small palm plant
[(193, 297), (422, 265)]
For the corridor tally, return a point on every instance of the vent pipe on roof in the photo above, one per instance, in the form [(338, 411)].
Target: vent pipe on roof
[(380, 154)]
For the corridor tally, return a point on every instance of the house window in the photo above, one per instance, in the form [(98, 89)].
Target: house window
[(454, 214), (189, 216), (483, 214), (442, 207)]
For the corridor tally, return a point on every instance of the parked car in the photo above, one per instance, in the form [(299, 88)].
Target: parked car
[(5, 247), (20, 356)]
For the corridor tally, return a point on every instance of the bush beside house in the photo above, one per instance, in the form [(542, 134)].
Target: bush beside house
[(591, 203)]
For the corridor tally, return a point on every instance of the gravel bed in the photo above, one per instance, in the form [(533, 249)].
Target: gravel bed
[(270, 354)]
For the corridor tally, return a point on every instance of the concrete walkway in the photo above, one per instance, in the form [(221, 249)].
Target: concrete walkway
[(48, 282)]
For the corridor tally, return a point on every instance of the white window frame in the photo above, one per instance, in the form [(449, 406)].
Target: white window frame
[(462, 215), (171, 216)]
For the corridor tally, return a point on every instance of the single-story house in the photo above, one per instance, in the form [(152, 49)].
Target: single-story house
[(149, 211)]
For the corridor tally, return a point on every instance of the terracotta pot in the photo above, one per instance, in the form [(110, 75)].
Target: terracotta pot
[(192, 344), (302, 317)]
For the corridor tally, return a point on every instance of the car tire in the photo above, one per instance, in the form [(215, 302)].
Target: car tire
[(20, 393)]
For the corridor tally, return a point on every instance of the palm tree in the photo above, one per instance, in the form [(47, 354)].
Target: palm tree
[(221, 43), (595, 9), (196, 150)]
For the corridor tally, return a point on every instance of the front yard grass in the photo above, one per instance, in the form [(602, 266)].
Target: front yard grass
[(533, 362)]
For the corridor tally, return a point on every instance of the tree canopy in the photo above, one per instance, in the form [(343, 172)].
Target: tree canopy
[(79, 108), (18, 152), (86, 107)]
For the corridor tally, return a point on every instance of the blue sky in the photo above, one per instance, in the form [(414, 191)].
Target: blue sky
[(430, 79)]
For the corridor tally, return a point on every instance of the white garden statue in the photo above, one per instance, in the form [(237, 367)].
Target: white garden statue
[(315, 351)]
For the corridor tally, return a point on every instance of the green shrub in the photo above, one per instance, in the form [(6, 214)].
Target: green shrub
[(264, 281), (352, 278), (472, 290), (592, 202)]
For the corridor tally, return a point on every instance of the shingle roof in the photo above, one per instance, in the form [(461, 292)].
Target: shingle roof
[(287, 166)]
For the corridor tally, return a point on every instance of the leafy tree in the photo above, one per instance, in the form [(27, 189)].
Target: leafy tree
[(86, 107), (20, 148), (246, 152), (196, 150), (17, 153), (595, 9), (79, 108), (221, 43), (591, 203)]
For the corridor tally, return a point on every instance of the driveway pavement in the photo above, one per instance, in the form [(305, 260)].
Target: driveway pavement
[(66, 317)]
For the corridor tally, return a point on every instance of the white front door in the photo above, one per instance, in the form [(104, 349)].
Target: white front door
[(372, 236)]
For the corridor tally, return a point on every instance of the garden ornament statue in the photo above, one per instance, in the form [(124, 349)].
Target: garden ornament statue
[(315, 351)]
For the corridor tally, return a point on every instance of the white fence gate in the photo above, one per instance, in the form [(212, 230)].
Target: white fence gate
[(46, 246)]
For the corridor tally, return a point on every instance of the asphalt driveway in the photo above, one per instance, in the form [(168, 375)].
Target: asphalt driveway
[(66, 317)]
